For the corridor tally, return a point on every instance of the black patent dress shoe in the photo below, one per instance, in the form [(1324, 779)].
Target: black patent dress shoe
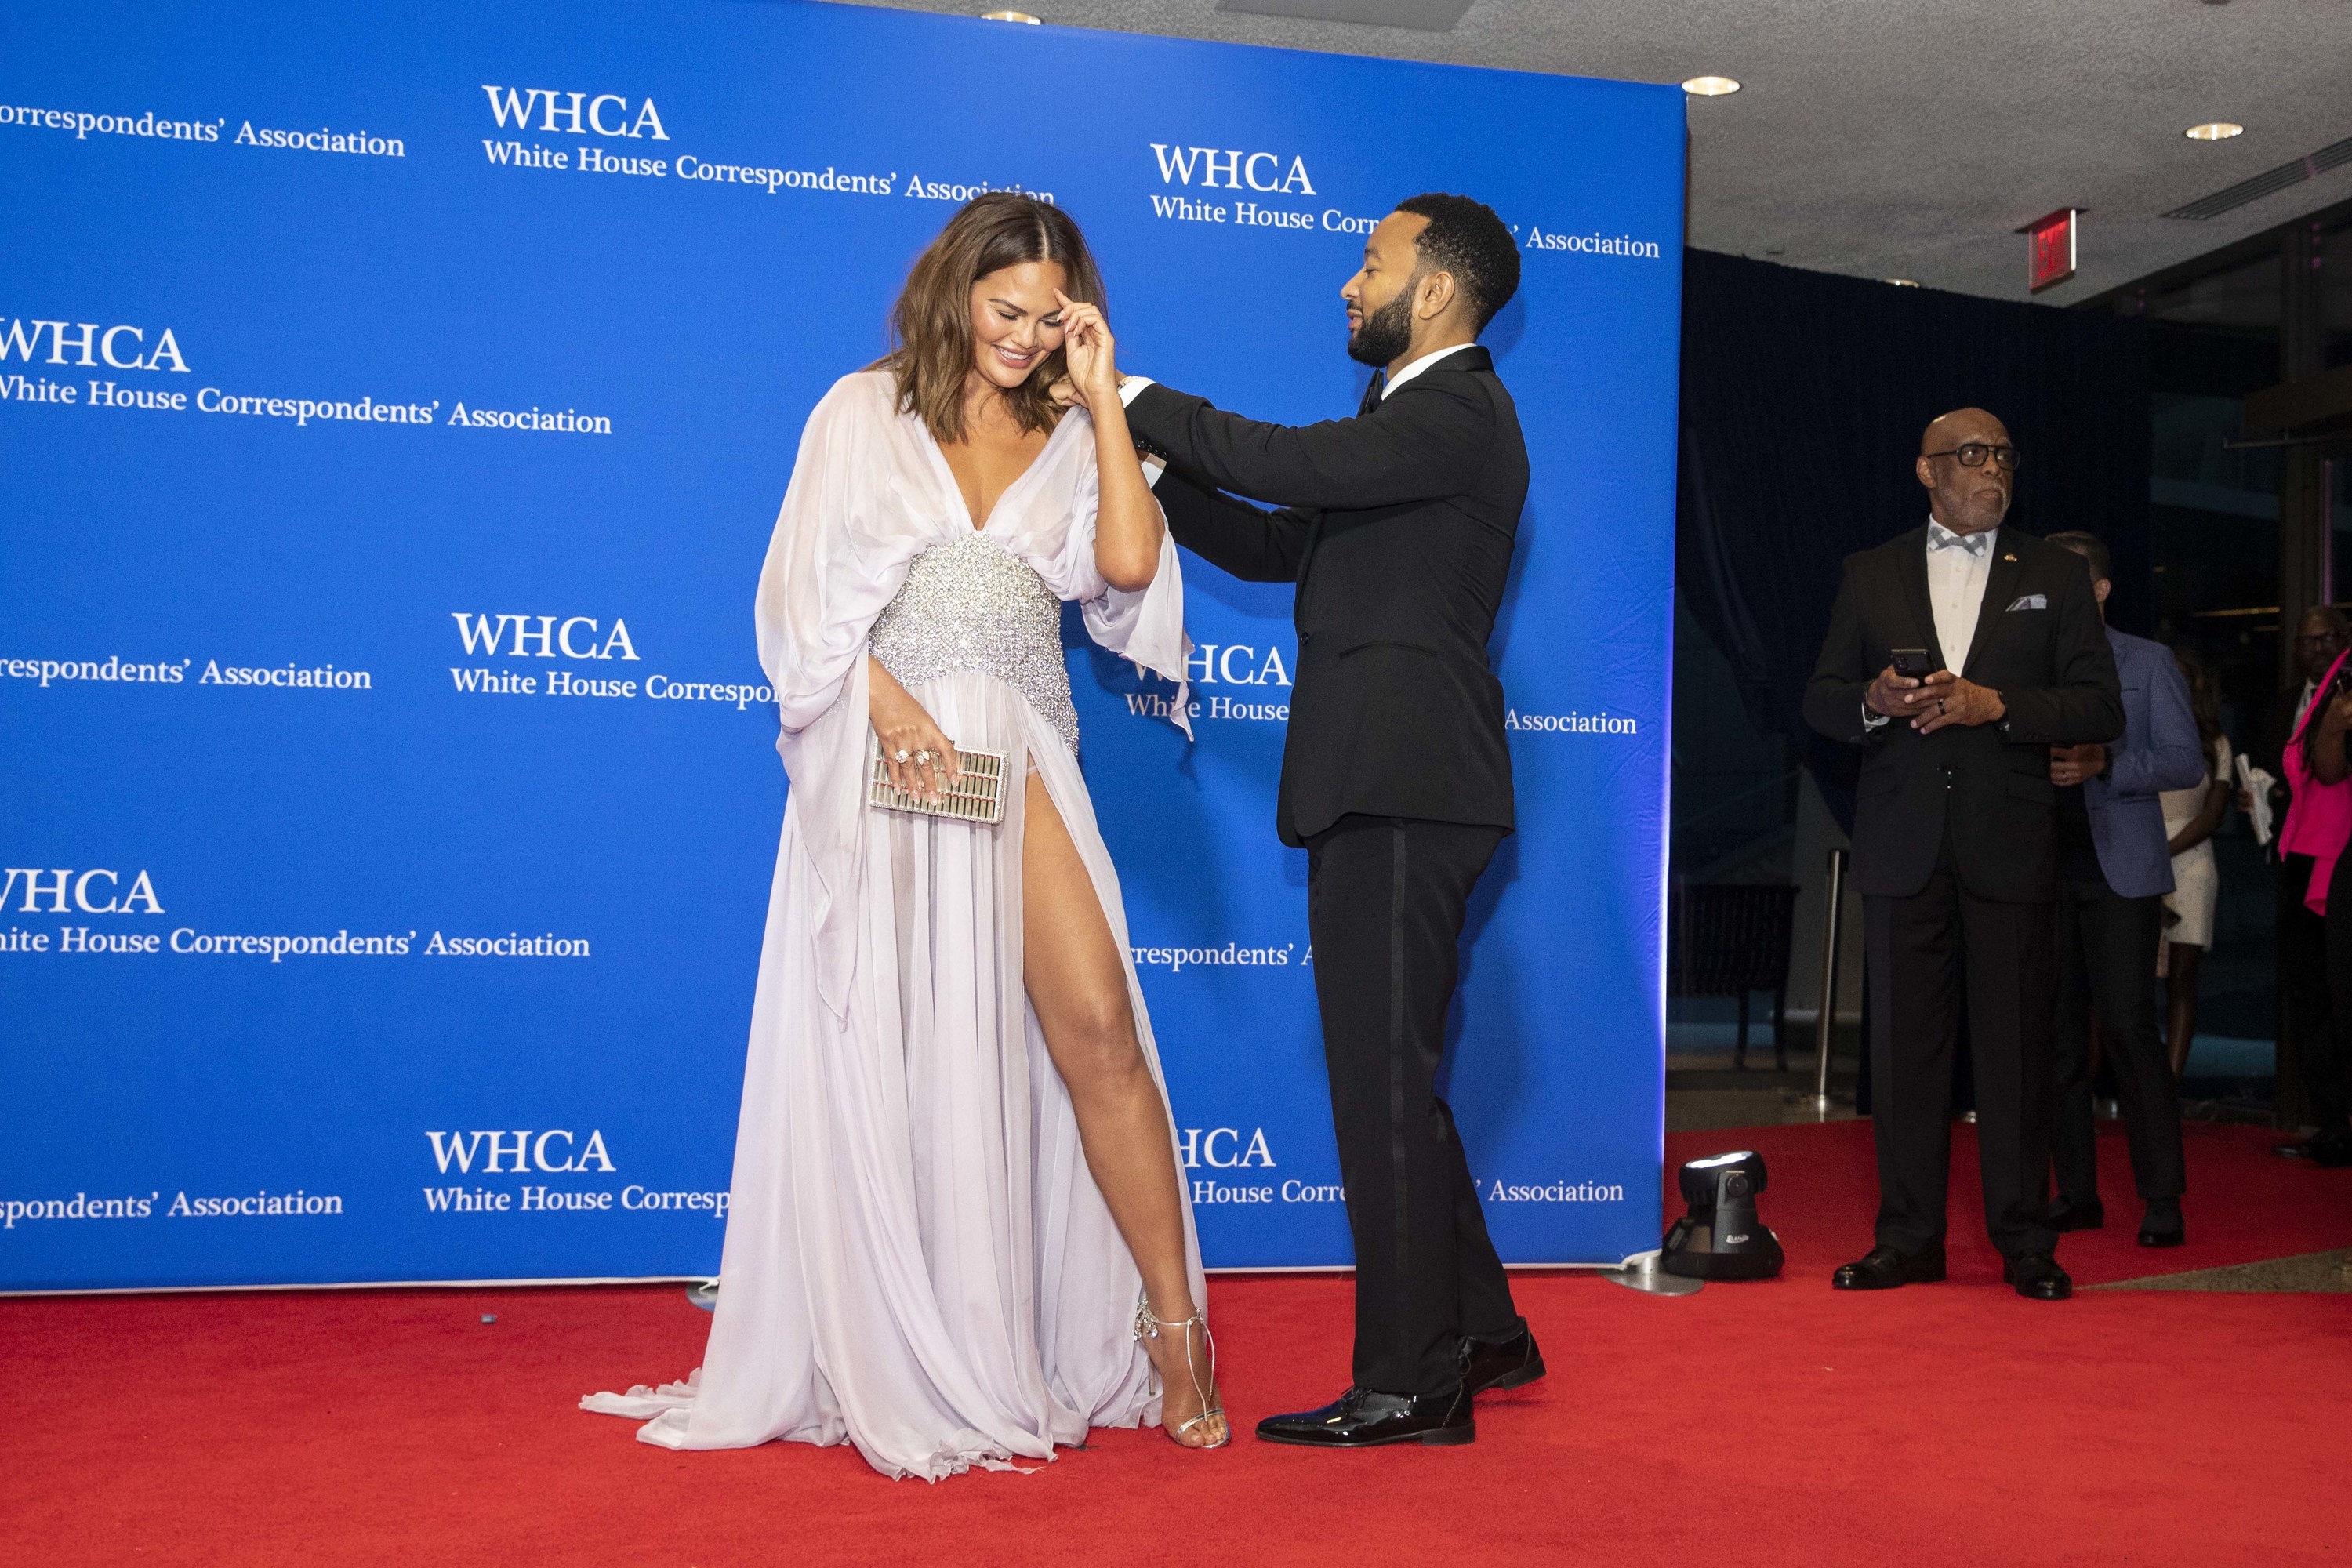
[(1365, 1418), (1510, 1362), (2037, 1277), (2162, 1224), (2090, 1215), (2327, 1151), (1883, 1268)]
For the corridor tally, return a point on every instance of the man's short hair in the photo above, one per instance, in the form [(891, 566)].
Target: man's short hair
[(1466, 238), (2090, 548)]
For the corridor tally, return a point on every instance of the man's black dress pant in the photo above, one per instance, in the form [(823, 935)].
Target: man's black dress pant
[(1385, 901), (2324, 1047), (2315, 966), (1924, 952), (2106, 958)]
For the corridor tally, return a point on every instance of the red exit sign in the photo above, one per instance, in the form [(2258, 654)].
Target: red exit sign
[(2050, 248)]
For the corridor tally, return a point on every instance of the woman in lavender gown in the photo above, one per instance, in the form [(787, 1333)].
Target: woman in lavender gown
[(957, 1234)]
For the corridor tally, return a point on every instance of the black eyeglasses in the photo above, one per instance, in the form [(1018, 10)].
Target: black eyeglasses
[(1972, 455)]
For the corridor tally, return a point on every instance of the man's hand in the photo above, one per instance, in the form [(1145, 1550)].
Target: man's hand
[(2070, 765), (1886, 694), (1944, 700)]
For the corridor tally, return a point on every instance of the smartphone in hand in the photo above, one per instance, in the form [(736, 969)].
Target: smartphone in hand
[(1915, 663)]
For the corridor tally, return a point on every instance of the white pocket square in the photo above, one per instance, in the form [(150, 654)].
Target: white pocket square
[(2032, 602)]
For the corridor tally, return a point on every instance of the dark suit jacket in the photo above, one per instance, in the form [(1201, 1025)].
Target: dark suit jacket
[(2270, 754), (2278, 728), (1397, 525), (2055, 673)]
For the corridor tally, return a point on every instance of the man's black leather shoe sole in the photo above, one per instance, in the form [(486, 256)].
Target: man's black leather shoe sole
[(1364, 1418), (2328, 1153), (1489, 1366), (1883, 1268), (2037, 1277)]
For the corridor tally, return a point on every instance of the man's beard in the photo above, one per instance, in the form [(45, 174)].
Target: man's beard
[(1386, 334), (1979, 512)]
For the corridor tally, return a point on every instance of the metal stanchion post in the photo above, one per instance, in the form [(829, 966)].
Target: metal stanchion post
[(1825, 1019)]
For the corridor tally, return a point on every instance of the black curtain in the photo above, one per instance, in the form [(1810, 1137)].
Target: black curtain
[(1802, 399)]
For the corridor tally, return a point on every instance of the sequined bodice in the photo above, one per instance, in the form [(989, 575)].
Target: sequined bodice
[(970, 604)]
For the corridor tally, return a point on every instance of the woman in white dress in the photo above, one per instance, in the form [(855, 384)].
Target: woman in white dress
[(2191, 818), (958, 1233)]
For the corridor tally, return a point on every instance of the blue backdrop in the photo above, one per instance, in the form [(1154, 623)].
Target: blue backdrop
[(393, 407)]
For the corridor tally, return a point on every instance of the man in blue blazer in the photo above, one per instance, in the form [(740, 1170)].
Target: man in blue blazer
[(2113, 869)]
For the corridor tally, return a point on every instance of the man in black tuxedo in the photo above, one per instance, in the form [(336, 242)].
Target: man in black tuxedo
[(1954, 839), (1397, 525)]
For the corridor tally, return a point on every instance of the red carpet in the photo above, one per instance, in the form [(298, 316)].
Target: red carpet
[(2244, 1203), (1776, 1423)]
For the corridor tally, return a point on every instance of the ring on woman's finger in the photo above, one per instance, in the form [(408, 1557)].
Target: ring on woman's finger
[(902, 755)]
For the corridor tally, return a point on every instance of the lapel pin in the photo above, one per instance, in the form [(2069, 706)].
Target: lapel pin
[(2009, 558)]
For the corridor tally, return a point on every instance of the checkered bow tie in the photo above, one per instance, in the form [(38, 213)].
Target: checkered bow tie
[(1941, 538)]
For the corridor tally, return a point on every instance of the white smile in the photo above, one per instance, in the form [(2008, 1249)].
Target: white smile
[(1009, 357)]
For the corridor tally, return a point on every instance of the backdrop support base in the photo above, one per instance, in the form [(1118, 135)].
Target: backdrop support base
[(1643, 1274)]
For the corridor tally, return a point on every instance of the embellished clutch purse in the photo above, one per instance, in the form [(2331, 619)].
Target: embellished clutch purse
[(977, 796)]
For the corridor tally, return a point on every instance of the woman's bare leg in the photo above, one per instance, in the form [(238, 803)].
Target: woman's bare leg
[(2180, 992), (1078, 987)]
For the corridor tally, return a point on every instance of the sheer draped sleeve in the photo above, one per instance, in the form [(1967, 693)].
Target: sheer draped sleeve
[(838, 555), (1146, 627), (868, 495)]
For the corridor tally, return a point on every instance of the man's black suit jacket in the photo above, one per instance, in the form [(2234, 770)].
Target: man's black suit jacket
[(2270, 754), (2278, 728), (2039, 643), (1397, 525)]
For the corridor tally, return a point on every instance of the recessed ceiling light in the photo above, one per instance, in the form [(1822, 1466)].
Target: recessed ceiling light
[(1710, 86), (1009, 16), (2214, 131)]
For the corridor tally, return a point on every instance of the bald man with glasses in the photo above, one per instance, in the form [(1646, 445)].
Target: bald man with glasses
[(1954, 839)]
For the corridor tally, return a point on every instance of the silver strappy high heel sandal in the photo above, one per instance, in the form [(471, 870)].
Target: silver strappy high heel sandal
[(1148, 1327)]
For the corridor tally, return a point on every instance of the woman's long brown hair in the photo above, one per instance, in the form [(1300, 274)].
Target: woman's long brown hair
[(931, 326)]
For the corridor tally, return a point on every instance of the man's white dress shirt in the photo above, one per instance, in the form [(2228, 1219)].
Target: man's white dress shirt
[(1957, 566), (1416, 367)]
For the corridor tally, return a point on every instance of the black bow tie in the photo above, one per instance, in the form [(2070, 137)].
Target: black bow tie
[(1373, 392)]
